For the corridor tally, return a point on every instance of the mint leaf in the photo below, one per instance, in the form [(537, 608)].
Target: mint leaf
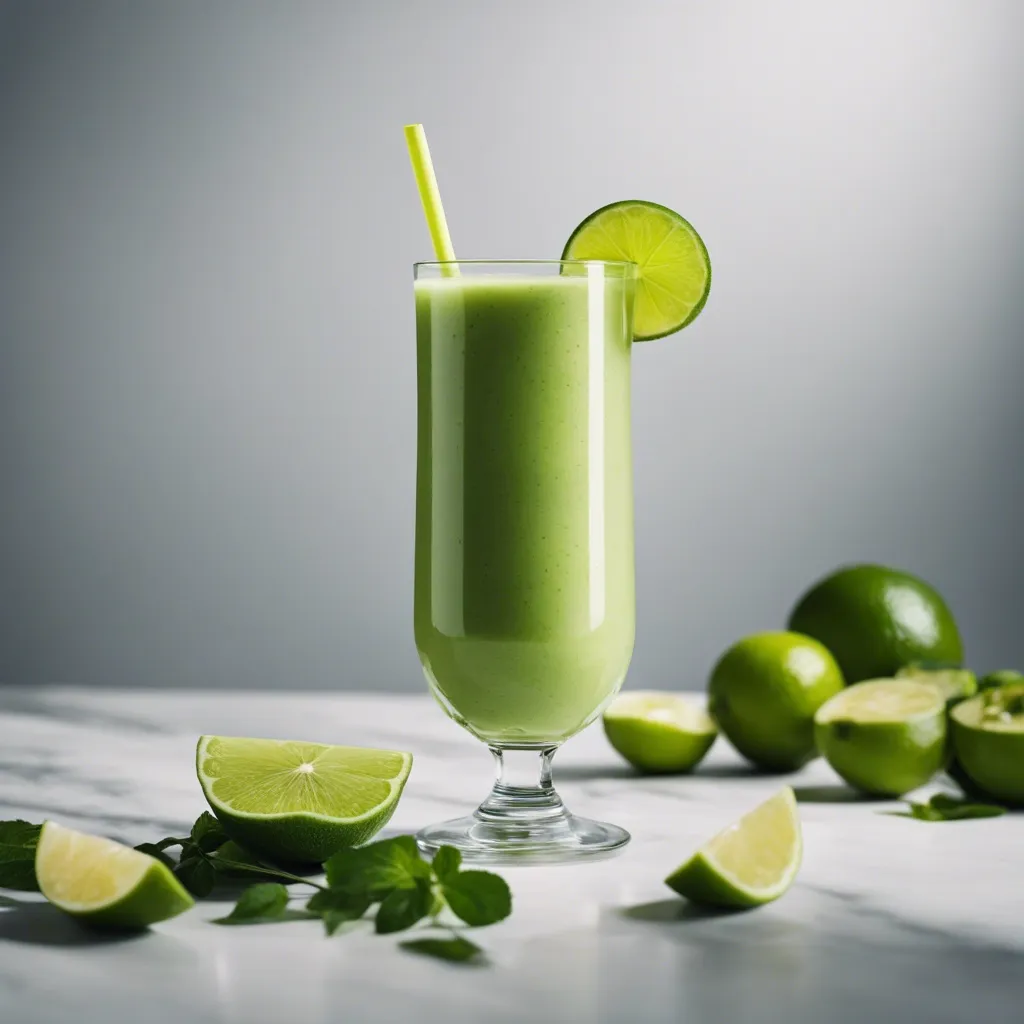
[(403, 907), (157, 851), (478, 897), (189, 851), (18, 840), (197, 874), (446, 862), (336, 908), (208, 833), (456, 949), (375, 870), (943, 807), (266, 901), (925, 812)]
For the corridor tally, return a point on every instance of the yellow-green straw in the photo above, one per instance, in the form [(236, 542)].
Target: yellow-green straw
[(419, 153)]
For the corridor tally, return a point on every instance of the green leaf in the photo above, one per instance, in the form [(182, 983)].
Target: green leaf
[(376, 869), (208, 833), (197, 874), (447, 861), (456, 949), (404, 907), (924, 812), (157, 851), (189, 851), (943, 807), (260, 903), (18, 840), (336, 907), (478, 897)]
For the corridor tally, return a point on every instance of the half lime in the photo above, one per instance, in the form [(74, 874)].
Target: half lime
[(673, 267), (884, 737), (299, 802), (659, 732), (988, 738)]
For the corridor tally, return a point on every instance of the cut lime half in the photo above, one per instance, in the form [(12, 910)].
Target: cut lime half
[(955, 684), (659, 732), (299, 802), (988, 738), (884, 737), (753, 861), (104, 883), (673, 268)]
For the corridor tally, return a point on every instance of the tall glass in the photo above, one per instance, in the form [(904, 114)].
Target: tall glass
[(524, 603)]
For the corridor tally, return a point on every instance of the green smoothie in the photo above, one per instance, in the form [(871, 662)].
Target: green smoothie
[(524, 597)]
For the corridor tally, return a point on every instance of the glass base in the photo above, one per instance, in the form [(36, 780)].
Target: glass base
[(523, 819)]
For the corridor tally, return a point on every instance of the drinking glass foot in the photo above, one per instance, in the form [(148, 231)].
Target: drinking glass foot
[(523, 819), (567, 839)]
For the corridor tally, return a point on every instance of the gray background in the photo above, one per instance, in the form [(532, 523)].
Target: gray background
[(206, 336)]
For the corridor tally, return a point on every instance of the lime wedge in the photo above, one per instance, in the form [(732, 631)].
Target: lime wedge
[(673, 268), (1001, 677), (753, 861), (299, 802), (955, 684), (988, 739), (884, 736), (659, 732), (104, 883)]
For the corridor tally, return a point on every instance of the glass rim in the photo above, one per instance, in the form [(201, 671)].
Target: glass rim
[(533, 262)]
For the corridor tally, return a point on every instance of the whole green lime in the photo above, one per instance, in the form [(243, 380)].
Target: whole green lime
[(875, 620), (764, 692)]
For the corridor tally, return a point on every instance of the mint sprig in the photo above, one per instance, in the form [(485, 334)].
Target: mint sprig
[(406, 890), (389, 874)]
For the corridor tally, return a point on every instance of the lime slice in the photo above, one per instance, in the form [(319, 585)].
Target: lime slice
[(753, 861), (673, 268), (659, 732), (104, 883), (884, 736), (988, 740), (299, 802), (955, 684)]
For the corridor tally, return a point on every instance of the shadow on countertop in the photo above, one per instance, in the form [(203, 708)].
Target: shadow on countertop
[(676, 911), (39, 924), (594, 772)]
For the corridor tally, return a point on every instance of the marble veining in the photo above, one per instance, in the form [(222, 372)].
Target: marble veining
[(890, 920)]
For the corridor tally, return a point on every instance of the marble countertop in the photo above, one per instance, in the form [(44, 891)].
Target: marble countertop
[(890, 919)]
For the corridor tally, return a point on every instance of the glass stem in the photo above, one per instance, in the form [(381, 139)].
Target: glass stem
[(522, 787)]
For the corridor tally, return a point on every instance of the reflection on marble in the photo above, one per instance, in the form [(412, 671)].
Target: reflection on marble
[(891, 919)]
